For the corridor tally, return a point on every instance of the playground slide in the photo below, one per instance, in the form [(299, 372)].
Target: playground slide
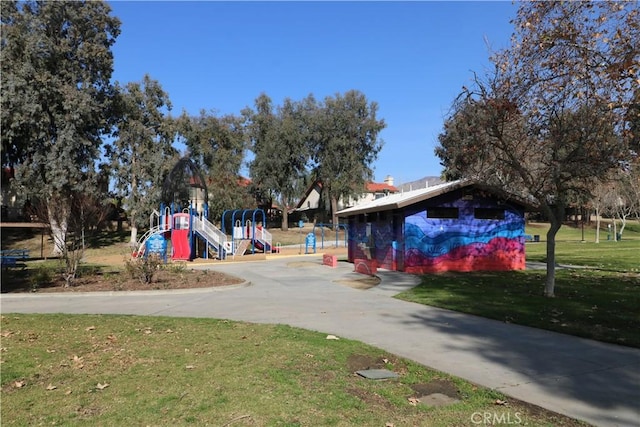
[(262, 246), (180, 243), (262, 239)]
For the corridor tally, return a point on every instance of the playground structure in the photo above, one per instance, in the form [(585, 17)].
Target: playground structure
[(191, 235), (246, 227), (181, 227)]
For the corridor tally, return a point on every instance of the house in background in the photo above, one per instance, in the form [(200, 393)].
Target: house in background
[(313, 206), (424, 182), (455, 226)]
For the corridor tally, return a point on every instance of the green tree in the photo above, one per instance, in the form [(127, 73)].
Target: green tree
[(343, 144), (217, 145), (55, 100), (553, 119), (141, 153), (278, 141)]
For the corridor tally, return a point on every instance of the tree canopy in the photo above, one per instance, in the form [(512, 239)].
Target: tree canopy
[(344, 144), (279, 143), (141, 153), (55, 100), (56, 70), (218, 145), (69, 131)]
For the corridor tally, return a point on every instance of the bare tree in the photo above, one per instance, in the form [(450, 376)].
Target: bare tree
[(553, 118), (84, 216)]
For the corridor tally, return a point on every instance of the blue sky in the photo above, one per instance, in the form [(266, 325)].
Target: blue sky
[(412, 58)]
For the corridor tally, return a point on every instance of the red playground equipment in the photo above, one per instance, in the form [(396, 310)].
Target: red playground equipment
[(181, 247)]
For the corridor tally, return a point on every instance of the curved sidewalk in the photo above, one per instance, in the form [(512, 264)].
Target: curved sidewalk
[(588, 380)]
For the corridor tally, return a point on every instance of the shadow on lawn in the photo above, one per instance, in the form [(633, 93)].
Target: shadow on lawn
[(590, 304), (605, 376)]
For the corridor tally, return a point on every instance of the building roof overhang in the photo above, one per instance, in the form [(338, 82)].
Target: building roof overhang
[(408, 198)]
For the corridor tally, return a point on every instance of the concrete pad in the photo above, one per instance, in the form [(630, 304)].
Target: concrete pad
[(377, 374)]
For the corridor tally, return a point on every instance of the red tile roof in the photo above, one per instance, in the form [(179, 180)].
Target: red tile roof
[(380, 187)]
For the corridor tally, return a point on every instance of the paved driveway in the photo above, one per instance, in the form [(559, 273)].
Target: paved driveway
[(588, 380)]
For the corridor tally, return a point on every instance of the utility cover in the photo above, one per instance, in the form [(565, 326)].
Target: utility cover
[(437, 399), (377, 374)]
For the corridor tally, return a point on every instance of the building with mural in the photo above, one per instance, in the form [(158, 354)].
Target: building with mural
[(455, 226)]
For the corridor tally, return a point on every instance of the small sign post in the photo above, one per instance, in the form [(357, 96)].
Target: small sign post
[(300, 227), (156, 244)]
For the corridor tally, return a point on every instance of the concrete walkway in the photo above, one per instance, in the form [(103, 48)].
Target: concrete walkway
[(592, 381)]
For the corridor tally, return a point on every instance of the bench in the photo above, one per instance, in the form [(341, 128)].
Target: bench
[(10, 256)]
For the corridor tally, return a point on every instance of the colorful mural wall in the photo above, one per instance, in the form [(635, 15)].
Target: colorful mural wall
[(484, 236), (459, 231)]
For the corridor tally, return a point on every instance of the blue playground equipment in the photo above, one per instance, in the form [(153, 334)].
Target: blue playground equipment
[(337, 230)]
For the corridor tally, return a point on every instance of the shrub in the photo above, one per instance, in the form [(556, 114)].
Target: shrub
[(40, 276), (144, 268), (176, 267)]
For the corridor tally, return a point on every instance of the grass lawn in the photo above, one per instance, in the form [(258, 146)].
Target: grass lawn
[(623, 255), (600, 302), (127, 370)]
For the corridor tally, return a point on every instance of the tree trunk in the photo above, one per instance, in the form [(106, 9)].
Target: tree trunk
[(58, 220), (334, 209), (597, 225), (555, 218), (285, 220), (550, 280), (134, 229), (623, 222), (134, 191)]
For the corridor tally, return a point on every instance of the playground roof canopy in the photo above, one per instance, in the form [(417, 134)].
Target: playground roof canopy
[(178, 185)]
